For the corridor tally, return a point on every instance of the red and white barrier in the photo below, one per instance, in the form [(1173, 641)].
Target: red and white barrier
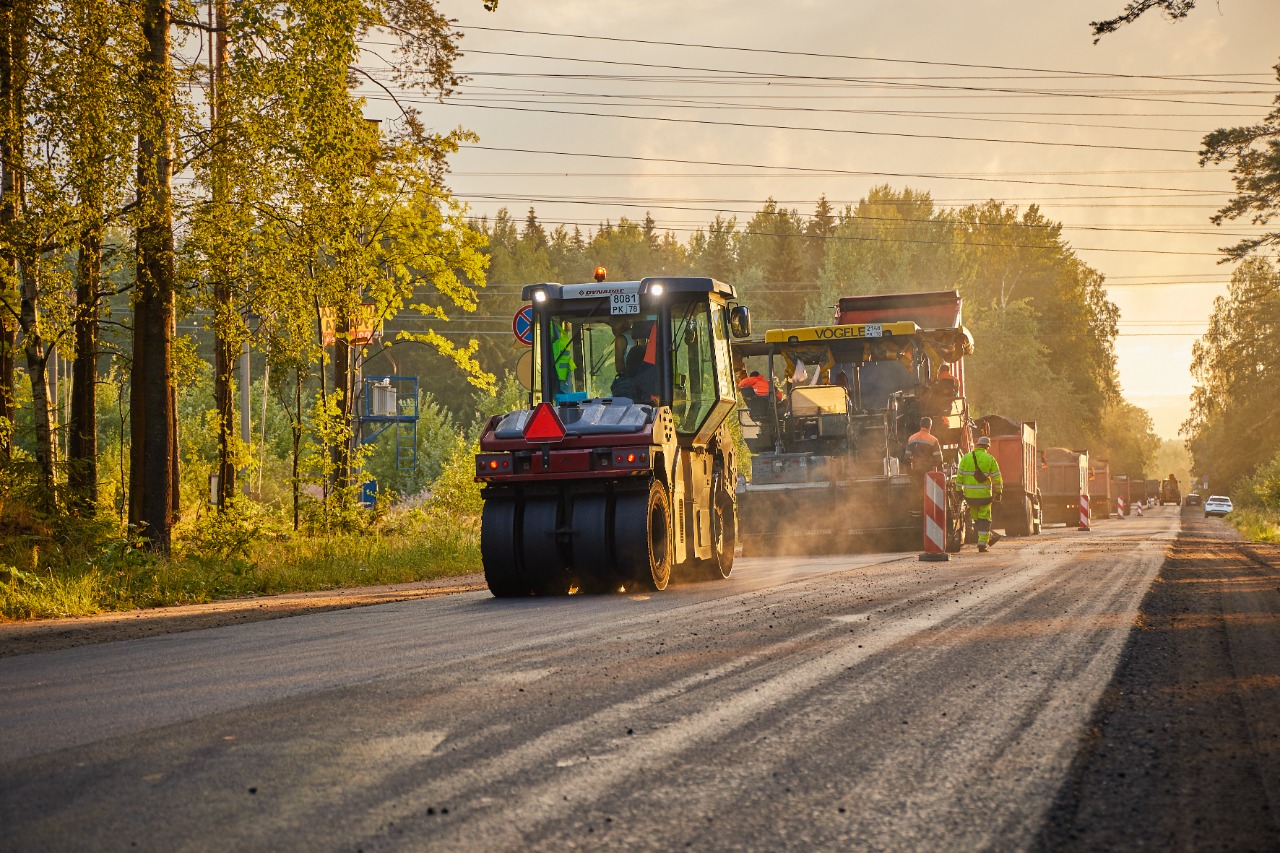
[(1084, 513), (1120, 508), (935, 517)]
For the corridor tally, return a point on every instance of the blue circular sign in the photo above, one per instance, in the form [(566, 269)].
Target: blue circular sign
[(522, 325)]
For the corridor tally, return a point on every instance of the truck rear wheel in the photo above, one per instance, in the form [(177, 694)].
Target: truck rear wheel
[(642, 538), (1021, 521)]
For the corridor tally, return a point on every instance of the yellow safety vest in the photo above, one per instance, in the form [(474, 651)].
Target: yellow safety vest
[(979, 477)]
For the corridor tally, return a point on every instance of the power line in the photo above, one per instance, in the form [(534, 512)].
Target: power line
[(823, 171), (858, 58), (825, 130)]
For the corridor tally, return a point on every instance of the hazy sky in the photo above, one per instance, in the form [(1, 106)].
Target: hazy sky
[(1123, 176)]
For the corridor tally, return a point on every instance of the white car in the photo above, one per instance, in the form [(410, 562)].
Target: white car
[(1217, 505)]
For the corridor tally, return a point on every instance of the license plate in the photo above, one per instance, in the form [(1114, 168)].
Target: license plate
[(624, 303), (873, 330)]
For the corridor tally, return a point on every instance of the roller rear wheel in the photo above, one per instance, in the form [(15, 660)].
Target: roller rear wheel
[(499, 553), (591, 542), (542, 560)]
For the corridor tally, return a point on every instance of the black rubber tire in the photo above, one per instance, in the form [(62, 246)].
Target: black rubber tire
[(499, 551), (642, 538), (957, 519), (591, 545), (542, 561), (724, 538), (1020, 524)]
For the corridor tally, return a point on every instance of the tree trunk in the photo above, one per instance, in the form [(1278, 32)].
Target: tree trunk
[(82, 443), (12, 83), (340, 452), (297, 446), (224, 354), (153, 421), (37, 354)]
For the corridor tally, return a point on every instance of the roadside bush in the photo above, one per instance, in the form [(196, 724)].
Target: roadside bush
[(1257, 504)]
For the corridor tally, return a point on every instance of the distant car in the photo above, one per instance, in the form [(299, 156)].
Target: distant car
[(1193, 499), (1217, 505)]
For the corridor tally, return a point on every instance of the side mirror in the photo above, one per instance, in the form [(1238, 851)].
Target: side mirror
[(740, 321)]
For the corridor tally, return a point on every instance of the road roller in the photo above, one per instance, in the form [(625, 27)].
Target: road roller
[(619, 474)]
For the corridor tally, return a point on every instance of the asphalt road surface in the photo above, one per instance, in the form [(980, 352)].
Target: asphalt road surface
[(843, 702)]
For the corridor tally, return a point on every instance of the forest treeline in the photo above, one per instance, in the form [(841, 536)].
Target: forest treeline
[(1043, 326)]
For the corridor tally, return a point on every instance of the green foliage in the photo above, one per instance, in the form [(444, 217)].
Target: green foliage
[(455, 492), (1257, 503), (1254, 155), (1236, 403)]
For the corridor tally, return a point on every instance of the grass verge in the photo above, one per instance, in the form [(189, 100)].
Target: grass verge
[(1256, 525), (45, 579)]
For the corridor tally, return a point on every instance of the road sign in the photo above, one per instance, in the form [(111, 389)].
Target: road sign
[(522, 325)]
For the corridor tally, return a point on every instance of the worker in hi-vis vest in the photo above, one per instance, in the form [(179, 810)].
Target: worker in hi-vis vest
[(562, 356), (978, 478)]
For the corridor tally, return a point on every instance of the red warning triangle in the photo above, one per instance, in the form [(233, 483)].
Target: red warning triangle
[(544, 424), (651, 351)]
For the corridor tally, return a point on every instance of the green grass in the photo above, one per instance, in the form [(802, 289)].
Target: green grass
[(1256, 524), (41, 577)]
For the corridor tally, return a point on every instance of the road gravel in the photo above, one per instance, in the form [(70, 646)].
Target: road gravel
[(845, 702)]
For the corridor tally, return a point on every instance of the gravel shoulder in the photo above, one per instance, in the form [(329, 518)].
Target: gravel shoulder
[(1183, 751), (46, 635)]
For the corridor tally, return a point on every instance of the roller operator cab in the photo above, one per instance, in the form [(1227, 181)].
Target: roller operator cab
[(619, 474)]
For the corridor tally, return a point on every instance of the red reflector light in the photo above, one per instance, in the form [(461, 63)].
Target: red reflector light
[(544, 424), (631, 457)]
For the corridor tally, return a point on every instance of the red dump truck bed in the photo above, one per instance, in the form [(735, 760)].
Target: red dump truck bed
[(1064, 477), (1101, 499)]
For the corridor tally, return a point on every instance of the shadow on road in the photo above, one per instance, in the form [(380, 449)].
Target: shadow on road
[(1184, 749)]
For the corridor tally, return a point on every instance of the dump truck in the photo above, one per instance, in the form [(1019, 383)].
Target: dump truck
[(830, 468), (1064, 477), (619, 473), (1100, 503), (1013, 444), (1170, 492), (1120, 485), (1138, 490)]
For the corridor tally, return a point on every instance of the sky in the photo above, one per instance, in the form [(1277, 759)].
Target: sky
[(1004, 99)]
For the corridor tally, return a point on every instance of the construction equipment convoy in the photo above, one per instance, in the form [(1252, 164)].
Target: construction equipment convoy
[(619, 474), (830, 466)]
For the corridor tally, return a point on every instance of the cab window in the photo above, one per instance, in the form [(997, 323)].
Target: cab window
[(695, 383)]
